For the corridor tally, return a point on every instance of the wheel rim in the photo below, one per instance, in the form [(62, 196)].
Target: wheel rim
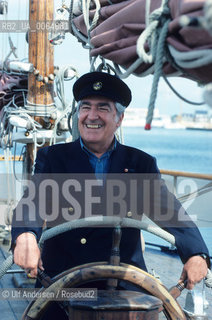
[(95, 271)]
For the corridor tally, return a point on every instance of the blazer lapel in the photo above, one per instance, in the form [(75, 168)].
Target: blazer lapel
[(77, 159), (119, 160)]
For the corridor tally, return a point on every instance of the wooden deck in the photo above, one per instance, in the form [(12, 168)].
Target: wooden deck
[(166, 265)]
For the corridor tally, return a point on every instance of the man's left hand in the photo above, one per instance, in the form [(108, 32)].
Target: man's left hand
[(195, 269)]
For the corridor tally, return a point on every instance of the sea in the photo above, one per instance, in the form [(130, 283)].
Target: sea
[(174, 149)]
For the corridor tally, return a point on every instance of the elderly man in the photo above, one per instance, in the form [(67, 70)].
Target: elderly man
[(102, 99)]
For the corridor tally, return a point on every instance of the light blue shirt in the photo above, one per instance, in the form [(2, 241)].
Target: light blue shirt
[(100, 165)]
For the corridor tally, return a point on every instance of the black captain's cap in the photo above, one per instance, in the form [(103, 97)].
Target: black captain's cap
[(102, 84)]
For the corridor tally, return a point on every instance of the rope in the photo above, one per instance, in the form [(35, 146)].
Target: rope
[(30, 109), (147, 12), (62, 75), (4, 232), (155, 35), (158, 72), (208, 279), (89, 25), (155, 25), (192, 59), (11, 195), (179, 96), (39, 109), (205, 189), (132, 68), (156, 20), (75, 130), (85, 11), (208, 15), (6, 265)]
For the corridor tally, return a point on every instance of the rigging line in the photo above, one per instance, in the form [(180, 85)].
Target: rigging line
[(10, 186), (17, 34), (179, 95), (179, 70), (4, 39), (14, 162), (71, 16), (192, 196), (158, 71), (195, 194), (203, 220), (147, 12)]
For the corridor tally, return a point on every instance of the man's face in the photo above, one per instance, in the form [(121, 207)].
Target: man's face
[(98, 121)]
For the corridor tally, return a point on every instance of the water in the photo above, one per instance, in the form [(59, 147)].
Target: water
[(181, 150)]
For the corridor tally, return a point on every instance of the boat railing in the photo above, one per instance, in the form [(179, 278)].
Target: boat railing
[(183, 174)]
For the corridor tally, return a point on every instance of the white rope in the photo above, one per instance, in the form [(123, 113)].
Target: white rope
[(11, 198), (59, 81), (147, 12), (146, 34), (132, 68), (208, 16), (83, 7), (40, 109), (208, 279), (149, 34), (85, 11), (191, 59), (80, 36), (65, 106)]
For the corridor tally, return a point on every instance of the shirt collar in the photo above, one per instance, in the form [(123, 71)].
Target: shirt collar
[(107, 153)]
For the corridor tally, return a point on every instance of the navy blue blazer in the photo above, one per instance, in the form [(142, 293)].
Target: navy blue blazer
[(67, 250)]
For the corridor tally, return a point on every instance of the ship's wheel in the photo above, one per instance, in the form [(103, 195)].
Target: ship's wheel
[(80, 275)]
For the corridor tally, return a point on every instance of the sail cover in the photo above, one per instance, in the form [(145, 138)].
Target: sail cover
[(12, 87), (121, 23)]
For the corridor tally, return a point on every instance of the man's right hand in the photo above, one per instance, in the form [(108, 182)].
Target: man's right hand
[(27, 253)]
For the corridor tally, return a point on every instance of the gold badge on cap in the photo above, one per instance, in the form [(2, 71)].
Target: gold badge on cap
[(97, 85)]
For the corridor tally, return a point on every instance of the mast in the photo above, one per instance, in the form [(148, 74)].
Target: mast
[(41, 55)]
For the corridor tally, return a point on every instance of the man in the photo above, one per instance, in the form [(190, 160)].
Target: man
[(102, 99)]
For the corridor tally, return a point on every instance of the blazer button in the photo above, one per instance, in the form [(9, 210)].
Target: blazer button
[(83, 241), (129, 214)]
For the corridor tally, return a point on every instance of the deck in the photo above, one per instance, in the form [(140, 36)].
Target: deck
[(169, 274)]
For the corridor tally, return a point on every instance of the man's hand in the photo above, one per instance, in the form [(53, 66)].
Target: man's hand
[(195, 269), (27, 253)]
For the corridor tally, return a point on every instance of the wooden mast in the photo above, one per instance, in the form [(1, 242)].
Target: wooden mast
[(41, 55)]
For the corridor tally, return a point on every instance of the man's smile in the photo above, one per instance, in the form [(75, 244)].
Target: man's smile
[(93, 126)]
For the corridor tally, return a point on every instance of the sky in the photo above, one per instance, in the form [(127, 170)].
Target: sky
[(70, 52), (167, 102)]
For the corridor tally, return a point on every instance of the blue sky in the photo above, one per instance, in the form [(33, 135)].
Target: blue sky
[(71, 52)]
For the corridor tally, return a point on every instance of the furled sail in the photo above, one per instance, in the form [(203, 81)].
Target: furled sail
[(12, 87), (130, 33)]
